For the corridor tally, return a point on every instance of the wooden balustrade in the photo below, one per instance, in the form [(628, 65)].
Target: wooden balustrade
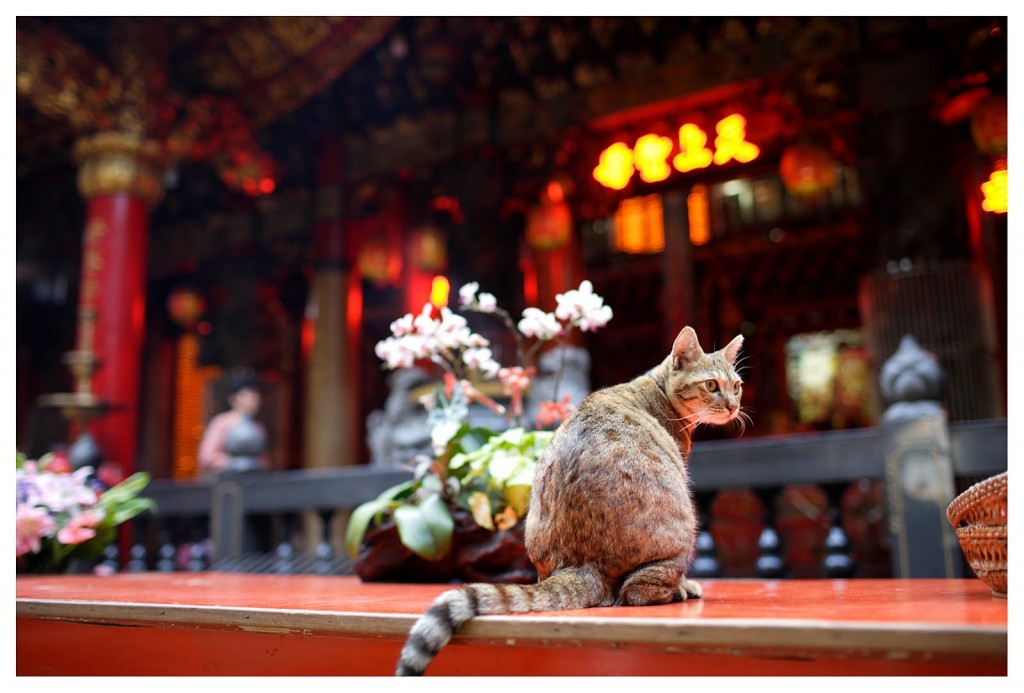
[(249, 522)]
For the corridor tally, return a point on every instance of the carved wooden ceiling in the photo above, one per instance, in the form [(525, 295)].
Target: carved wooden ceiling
[(384, 82)]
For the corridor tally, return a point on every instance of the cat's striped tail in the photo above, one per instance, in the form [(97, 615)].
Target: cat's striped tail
[(572, 588)]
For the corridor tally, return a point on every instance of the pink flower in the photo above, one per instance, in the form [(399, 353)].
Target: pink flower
[(32, 525), (515, 382), (552, 413), (474, 395), (80, 527)]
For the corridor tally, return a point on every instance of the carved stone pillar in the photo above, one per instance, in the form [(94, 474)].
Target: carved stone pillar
[(119, 175)]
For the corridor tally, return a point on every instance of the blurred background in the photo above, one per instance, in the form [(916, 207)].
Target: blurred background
[(199, 197)]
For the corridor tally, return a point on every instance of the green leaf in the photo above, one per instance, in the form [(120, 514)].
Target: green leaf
[(124, 491), (359, 522), (127, 510), (457, 461), (513, 436), (426, 529), (504, 464), (398, 491), (475, 438)]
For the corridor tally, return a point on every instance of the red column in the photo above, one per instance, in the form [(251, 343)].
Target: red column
[(120, 180)]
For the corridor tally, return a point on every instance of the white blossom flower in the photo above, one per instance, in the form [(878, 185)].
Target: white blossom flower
[(467, 294), (537, 323), (593, 320), (452, 331), (481, 360), (402, 326), (583, 308), (488, 303), (398, 352), (425, 324)]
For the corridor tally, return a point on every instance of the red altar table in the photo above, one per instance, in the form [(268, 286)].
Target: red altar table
[(204, 624)]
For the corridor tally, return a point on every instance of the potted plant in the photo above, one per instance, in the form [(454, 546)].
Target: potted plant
[(461, 515), (66, 515)]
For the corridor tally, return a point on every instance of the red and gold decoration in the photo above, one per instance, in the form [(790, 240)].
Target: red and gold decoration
[(652, 153), (549, 226), (698, 213), (807, 170), (380, 259), (117, 178), (114, 163), (191, 382), (428, 250), (988, 126), (640, 225), (185, 305)]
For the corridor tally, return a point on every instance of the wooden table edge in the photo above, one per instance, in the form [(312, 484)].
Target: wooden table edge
[(733, 632)]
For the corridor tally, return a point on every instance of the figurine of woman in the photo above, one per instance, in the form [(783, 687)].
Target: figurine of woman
[(234, 440)]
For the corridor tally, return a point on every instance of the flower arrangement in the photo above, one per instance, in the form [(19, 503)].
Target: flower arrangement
[(474, 470), (64, 513)]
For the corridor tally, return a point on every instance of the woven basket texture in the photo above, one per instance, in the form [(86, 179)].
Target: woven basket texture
[(978, 516)]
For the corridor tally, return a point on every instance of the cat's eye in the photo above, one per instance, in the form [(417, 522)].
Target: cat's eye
[(711, 385), (735, 387)]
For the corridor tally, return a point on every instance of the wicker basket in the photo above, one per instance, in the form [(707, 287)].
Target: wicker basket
[(978, 516)]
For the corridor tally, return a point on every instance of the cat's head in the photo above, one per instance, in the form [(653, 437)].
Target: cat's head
[(704, 388)]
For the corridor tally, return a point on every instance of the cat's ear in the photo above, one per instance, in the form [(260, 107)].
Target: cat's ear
[(686, 347), (732, 349)]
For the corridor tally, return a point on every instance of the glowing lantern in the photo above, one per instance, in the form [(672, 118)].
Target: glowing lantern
[(185, 305), (439, 289), (995, 190), (640, 225), (699, 215), (379, 261), (807, 170), (427, 250), (988, 126), (549, 226)]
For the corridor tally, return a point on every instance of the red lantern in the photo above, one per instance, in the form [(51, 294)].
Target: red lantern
[(549, 226), (427, 250), (379, 260), (185, 305), (988, 126), (807, 170)]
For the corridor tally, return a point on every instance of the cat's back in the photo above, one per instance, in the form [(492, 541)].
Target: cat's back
[(613, 464), (627, 418)]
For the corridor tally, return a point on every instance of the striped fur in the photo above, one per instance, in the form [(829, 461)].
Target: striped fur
[(565, 590), (611, 520)]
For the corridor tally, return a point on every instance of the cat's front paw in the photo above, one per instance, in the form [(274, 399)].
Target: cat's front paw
[(691, 589)]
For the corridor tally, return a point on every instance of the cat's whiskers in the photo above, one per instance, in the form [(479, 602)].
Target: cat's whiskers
[(697, 419), (742, 419)]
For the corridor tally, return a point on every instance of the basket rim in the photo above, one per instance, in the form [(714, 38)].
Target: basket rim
[(992, 486)]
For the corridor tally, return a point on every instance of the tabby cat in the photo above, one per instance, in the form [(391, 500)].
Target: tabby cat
[(611, 519)]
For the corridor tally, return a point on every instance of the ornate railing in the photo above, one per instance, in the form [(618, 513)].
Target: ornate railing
[(755, 496)]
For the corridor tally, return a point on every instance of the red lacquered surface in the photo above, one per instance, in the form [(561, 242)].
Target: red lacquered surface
[(222, 623)]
